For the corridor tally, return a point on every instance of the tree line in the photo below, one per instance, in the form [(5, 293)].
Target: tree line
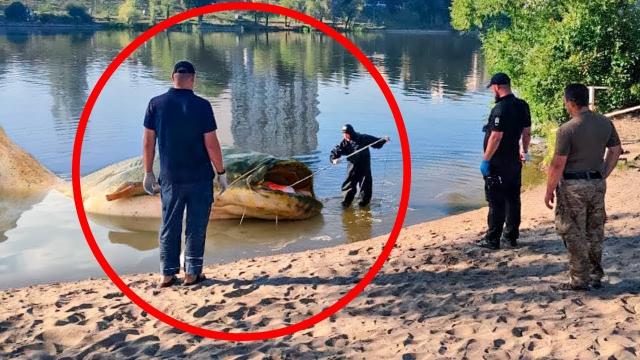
[(340, 13), (545, 45)]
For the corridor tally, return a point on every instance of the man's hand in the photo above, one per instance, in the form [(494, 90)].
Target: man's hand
[(524, 157), (484, 167), (335, 161), (150, 184), (549, 199), (222, 182)]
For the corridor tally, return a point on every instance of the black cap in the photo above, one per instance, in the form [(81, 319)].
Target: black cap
[(500, 79), (184, 67), (347, 128)]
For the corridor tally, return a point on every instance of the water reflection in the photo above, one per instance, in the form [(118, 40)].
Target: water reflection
[(68, 80), (357, 224), (11, 209), (426, 65), (274, 104), (230, 236)]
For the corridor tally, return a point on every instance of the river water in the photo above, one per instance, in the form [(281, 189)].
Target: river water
[(282, 94)]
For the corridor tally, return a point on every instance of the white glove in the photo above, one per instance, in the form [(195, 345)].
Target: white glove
[(150, 184), (387, 139), (222, 182), (335, 161)]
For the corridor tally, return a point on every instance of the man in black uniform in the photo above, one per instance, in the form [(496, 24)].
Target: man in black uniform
[(509, 121), (359, 170)]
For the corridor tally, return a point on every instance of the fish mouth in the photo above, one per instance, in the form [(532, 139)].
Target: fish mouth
[(290, 177), (270, 188)]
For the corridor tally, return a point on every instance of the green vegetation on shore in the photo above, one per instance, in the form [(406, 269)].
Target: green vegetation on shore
[(344, 14), (544, 45)]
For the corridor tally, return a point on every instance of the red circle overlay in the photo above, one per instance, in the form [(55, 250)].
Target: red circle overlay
[(244, 336)]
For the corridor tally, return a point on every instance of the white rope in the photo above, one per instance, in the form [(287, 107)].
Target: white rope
[(384, 174), (248, 172), (244, 210)]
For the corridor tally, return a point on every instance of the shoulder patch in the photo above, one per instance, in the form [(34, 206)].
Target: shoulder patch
[(497, 121)]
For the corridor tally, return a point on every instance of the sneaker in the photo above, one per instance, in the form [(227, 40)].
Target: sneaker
[(596, 284), (570, 287), (488, 244), (512, 242)]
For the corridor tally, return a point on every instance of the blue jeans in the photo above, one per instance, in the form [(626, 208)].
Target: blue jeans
[(197, 199)]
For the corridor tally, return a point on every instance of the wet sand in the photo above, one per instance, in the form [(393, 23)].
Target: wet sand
[(437, 296)]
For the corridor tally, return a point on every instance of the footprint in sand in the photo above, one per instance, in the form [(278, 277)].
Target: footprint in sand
[(80, 307), (237, 314), (71, 319), (241, 292), (497, 343), (113, 295), (338, 341), (267, 301), (203, 311), (518, 331)]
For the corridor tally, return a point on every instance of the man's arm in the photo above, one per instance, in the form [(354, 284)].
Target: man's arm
[(611, 159), (377, 142), (553, 178), (336, 153), (213, 149), (148, 149), (492, 144), (526, 139)]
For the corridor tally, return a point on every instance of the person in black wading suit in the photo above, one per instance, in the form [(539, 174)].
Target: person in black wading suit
[(359, 169)]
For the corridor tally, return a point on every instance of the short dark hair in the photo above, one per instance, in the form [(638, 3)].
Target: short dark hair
[(577, 93)]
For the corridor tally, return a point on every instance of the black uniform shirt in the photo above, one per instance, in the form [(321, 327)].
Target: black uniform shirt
[(510, 116), (357, 142)]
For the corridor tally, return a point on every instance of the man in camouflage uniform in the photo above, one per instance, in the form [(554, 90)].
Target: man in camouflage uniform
[(587, 150)]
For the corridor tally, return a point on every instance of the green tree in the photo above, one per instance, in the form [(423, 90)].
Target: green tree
[(78, 13), (128, 13), (297, 5), (319, 9), (545, 45), (17, 11), (348, 10), (197, 3)]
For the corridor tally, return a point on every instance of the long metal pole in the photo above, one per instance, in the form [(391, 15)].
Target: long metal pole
[(328, 166)]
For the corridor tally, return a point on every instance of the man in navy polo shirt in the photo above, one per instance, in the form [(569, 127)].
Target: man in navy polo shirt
[(185, 128)]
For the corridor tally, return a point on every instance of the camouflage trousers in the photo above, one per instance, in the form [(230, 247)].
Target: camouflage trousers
[(580, 217)]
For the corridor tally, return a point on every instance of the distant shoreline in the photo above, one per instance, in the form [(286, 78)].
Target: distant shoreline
[(26, 27)]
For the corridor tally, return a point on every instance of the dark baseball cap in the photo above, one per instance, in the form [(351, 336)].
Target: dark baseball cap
[(347, 128), (184, 67), (500, 79)]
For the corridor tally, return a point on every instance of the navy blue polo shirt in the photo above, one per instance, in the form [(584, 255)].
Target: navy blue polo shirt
[(180, 119)]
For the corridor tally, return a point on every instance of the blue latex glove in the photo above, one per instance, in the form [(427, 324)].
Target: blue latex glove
[(484, 167)]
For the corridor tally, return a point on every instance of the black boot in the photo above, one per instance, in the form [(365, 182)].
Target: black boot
[(512, 242), (488, 244)]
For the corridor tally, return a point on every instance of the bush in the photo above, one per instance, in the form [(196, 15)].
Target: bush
[(127, 12), (79, 13), (544, 45), (55, 19), (17, 11)]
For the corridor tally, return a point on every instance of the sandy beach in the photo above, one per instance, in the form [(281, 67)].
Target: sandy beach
[(438, 296)]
